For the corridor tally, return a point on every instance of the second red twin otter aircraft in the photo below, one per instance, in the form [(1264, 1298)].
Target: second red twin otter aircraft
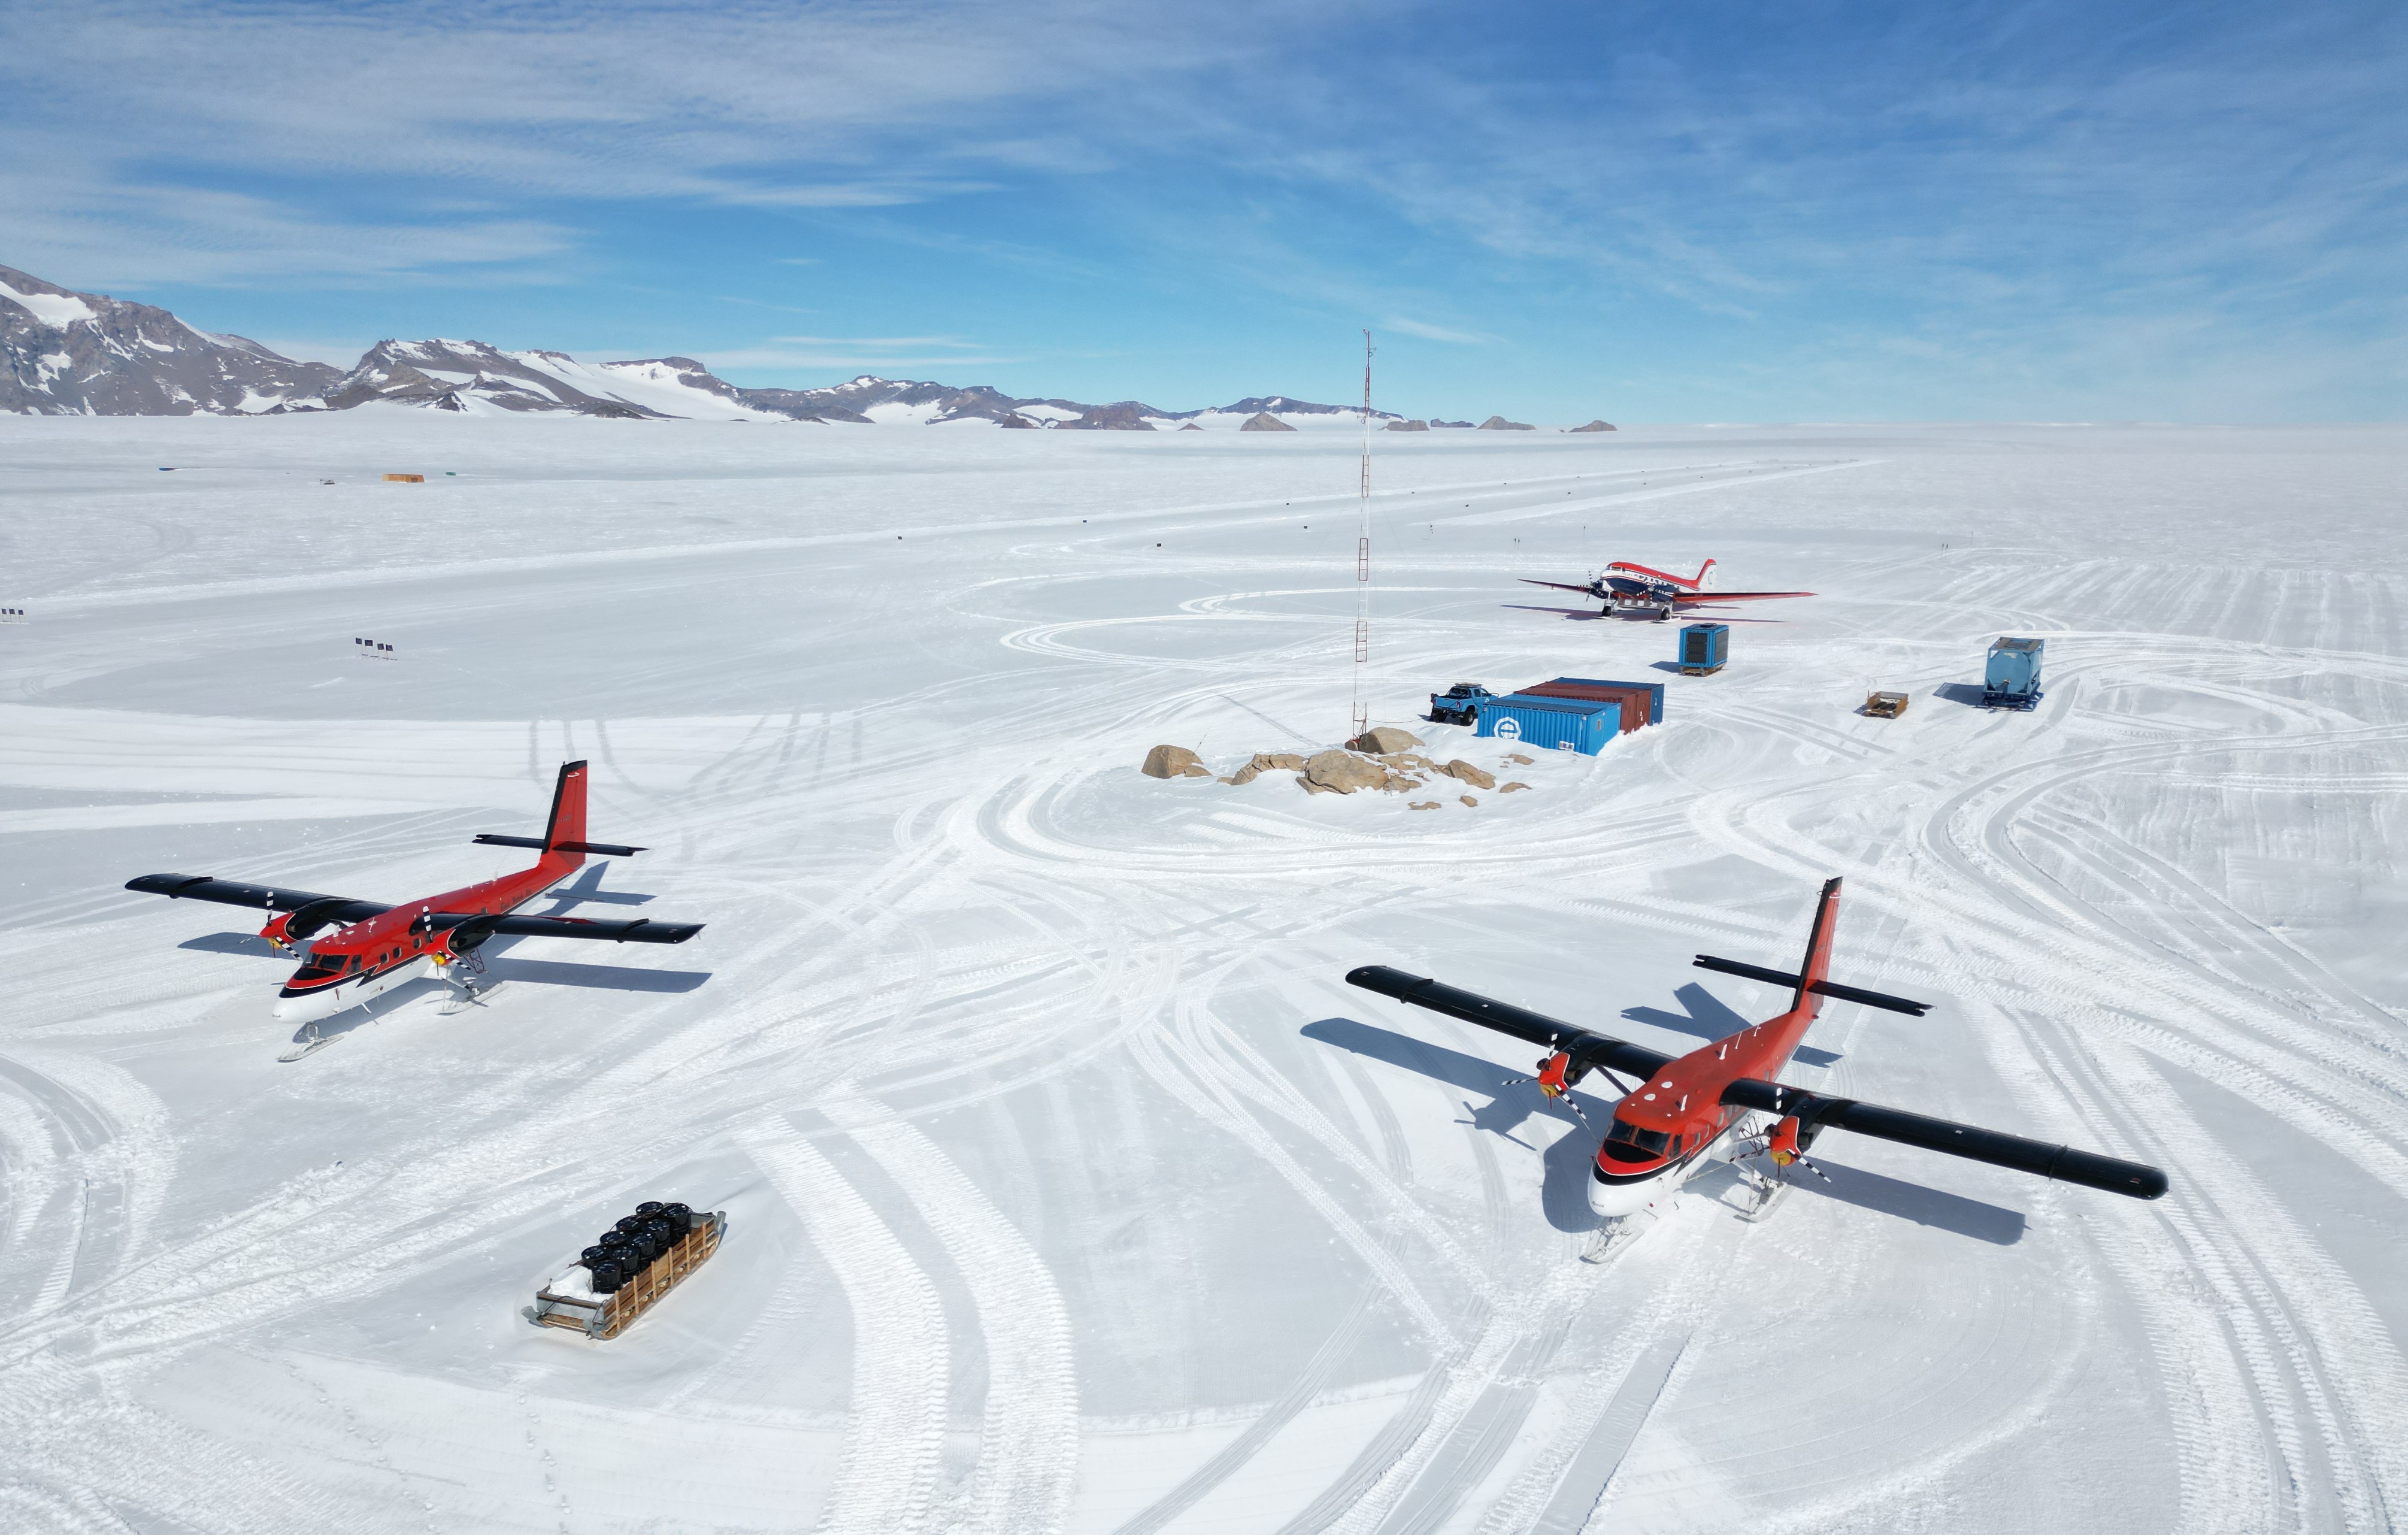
[(1682, 1106), (375, 947)]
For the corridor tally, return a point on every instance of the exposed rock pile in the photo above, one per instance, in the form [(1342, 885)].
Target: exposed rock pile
[(1342, 772), (1263, 421), (1383, 740), (1263, 763), (1499, 423), (1600, 425), (1174, 762), (1380, 758)]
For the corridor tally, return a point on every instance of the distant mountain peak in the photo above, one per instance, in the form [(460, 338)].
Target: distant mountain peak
[(63, 353)]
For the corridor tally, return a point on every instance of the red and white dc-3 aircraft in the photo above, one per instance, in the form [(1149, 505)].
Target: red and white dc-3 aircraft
[(1634, 590), (375, 947), (1682, 1107)]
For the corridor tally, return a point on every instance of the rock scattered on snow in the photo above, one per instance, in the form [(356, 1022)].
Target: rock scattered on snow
[(1383, 740), (1174, 762), (1344, 772), (1516, 757), (1478, 778), (1468, 800), (1510, 787), (1263, 763), (1424, 804)]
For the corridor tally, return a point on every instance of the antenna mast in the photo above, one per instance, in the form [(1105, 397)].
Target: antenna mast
[(1362, 709)]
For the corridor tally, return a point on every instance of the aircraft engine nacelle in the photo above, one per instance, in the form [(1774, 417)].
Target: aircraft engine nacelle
[(303, 922), (470, 936)]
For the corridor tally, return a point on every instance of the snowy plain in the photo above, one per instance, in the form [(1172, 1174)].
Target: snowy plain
[(1068, 1185)]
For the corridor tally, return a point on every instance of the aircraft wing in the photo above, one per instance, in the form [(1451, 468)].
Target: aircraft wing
[(1584, 1046), (641, 930), (1815, 1112), (1561, 586), (1692, 599), (262, 897)]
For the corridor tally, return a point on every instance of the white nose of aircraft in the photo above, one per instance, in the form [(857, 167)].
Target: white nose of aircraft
[(1615, 1199), (308, 1009)]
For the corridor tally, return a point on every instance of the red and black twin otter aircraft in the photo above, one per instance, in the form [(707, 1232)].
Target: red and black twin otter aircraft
[(1682, 1106), (374, 947)]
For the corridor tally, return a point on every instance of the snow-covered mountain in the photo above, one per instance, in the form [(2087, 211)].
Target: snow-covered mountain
[(65, 353), (473, 376), (76, 353)]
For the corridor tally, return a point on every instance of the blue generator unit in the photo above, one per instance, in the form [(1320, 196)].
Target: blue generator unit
[(1705, 649), (1559, 724), (2012, 678)]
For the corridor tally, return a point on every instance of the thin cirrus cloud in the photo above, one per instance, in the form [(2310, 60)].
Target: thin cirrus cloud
[(1434, 332)]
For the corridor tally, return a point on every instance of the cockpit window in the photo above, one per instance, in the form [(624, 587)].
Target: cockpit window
[(1651, 1143)]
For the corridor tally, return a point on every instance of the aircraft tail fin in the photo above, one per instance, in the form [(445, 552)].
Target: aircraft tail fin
[(564, 835), (1816, 973), (1701, 582)]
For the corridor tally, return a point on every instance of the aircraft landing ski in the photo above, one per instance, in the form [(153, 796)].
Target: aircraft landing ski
[(308, 1047)]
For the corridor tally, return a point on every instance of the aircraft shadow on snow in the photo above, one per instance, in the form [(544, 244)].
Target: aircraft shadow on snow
[(1565, 1192)]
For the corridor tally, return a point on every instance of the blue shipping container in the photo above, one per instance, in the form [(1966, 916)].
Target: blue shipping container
[(1654, 693), (1559, 724), (1704, 647)]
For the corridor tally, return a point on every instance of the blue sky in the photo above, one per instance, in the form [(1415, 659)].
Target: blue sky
[(1649, 212)]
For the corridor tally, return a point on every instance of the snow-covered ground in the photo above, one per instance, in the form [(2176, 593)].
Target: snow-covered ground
[(1068, 1185)]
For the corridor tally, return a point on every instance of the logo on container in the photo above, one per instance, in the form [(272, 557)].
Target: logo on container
[(1509, 728)]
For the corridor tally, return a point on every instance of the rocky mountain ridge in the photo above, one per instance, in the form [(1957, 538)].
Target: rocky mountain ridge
[(63, 353)]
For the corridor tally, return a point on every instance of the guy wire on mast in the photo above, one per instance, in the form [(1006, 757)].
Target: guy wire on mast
[(1362, 711)]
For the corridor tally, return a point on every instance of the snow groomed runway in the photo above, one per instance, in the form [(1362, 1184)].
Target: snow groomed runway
[(1068, 1186)]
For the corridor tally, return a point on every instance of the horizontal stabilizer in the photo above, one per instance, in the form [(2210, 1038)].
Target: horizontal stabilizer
[(1589, 1048), (1825, 988), (2064, 1164), (613, 849), (639, 930)]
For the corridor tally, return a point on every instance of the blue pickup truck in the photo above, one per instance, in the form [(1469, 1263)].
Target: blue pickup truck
[(1459, 704)]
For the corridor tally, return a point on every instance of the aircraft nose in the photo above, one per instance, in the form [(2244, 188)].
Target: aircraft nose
[(301, 1009), (1614, 1200)]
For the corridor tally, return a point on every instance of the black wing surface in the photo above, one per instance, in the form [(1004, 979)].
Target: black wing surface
[(2065, 1164), (1707, 600), (260, 897), (1586, 1046), (641, 930), (1561, 586)]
